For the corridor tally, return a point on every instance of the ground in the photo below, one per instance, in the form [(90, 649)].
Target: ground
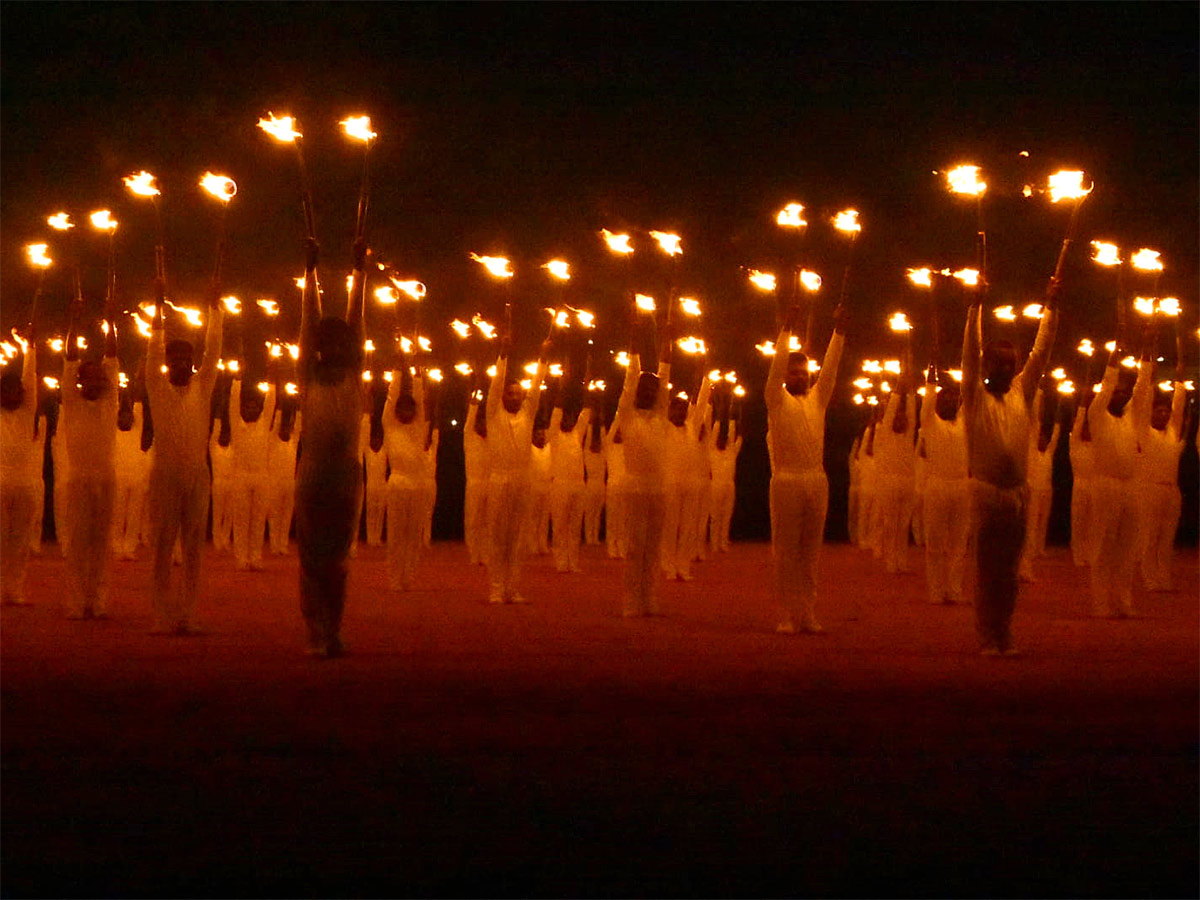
[(556, 749)]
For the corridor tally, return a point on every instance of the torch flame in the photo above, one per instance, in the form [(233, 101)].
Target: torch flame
[(275, 350), (810, 280), (102, 220), (1144, 305), (1067, 185), (192, 315), (671, 244), (461, 328), (497, 266), (813, 367), (122, 380), (1110, 346), (60, 222), (561, 317), (739, 391), (1130, 362), (1058, 374), (1066, 387), (269, 307), (764, 281), (1106, 254), (234, 366), (293, 350), (1146, 260), (142, 326), (689, 306), (282, 128), (56, 344), (220, 186), (559, 268), (791, 216), (487, 329), (386, 295), (1169, 306), (955, 374), (622, 359), (142, 184), (37, 255), (232, 305), (463, 368), (597, 385), (921, 277), (863, 384), (847, 221), (424, 343), (872, 366), (51, 382), (969, 277), (858, 399), (434, 375), (585, 319), (414, 289), (1032, 311), (692, 345), (300, 282), (617, 243), (645, 303), (899, 323), (892, 366), (264, 386), (366, 375), (556, 370), (368, 346), (291, 389), (965, 180), (359, 128), (1004, 314), (1085, 347)]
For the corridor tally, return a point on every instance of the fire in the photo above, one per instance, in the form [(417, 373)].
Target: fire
[(1067, 185), (863, 384), (1032, 311), (714, 376), (526, 383), (81, 342), (51, 382), (1106, 254), (1027, 191), (969, 277), (387, 376), (892, 366), (965, 180), (645, 303), (1004, 314), (1110, 346), (232, 305), (872, 400), (560, 269), (562, 318), (424, 343), (692, 345), (102, 220), (366, 375), (358, 128), (617, 243), (671, 244), (37, 255), (872, 366), (731, 377), (487, 329), (847, 221), (1144, 305), (766, 348), (813, 367), (585, 318), (142, 326), (282, 128), (597, 385), (386, 295), (858, 399), (300, 282), (193, 316), (1085, 347), (1146, 260), (142, 184), (1169, 306), (791, 216), (530, 368), (270, 307), (764, 281), (1130, 362), (234, 366), (921, 277), (885, 387), (434, 375), (1058, 374), (56, 345), (275, 350), (350, 283), (264, 386), (368, 346), (461, 328), (556, 370), (122, 380), (291, 389), (9, 350), (60, 222), (899, 323), (293, 350), (497, 266), (414, 289), (463, 368), (955, 374), (406, 345), (689, 306), (491, 371), (810, 280), (220, 186), (739, 391), (1066, 387)]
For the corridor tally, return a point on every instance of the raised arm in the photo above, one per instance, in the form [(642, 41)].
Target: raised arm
[(972, 352), (776, 374), (1035, 365), (534, 396), (1108, 384), (310, 310), (628, 393), (833, 357), (356, 303), (496, 389)]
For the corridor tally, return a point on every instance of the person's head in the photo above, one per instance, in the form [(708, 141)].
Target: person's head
[(677, 411), (947, 402), (796, 380), (513, 397), (338, 352), (12, 391), (569, 418), (999, 366), (539, 437), (179, 363), (92, 380), (250, 406), (1122, 392), (1160, 415), (287, 422), (125, 411), (647, 391), (405, 409), (900, 419), (617, 439)]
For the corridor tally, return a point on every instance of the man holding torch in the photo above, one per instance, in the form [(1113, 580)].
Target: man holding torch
[(19, 487), (1157, 478), (799, 487)]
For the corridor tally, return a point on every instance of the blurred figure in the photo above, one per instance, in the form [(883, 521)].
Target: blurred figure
[(1041, 488), (947, 495), (18, 487), (1156, 483), (475, 456)]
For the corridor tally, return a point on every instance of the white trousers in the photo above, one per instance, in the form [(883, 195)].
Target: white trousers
[(998, 519), (1160, 506), (281, 505), (537, 519), (90, 548), (616, 514), (1114, 546), (377, 503), (35, 526), (475, 529), (178, 502), (1037, 518), (428, 502), (799, 502), (853, 509), (593, 506), (62, 515), (405, 513), (895, 515), (643, 524), (947, 527), (18, 503), (222, 511), (566, 518), (722, 513), (1081, 520), (508, 502), (249, 513), (703, 514), (679, 528), (127, 517)]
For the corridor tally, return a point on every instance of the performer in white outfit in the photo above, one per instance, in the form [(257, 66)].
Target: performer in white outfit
[(250, 415), (281, 476), (510, 422), (18, 487), (476, 460), (947, 498), (180, 402), (799, 487), (60, 465), (404, 429), (725, 444), (1083, 474), (537, 517), (616, 500), (1156, 479), (37, 473), (224, 485), (997, 409), (1041, 487), (894, 458), (683, 482), (593, 467), (375, 462), (429, 479), (567, 434)]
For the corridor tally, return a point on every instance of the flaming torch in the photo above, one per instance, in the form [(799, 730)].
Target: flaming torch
[(1065, 185), (964, 181), (62, 222), (102, 220), (142, 184), (847, 223), (358, 128), (36, 254), (223, 189), (283, 129)]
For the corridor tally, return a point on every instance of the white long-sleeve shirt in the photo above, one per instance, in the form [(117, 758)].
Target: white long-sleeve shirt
[(405, 443), (723, 463), (796, 425), (894, 450), (131, 461), (1115, 438), (1158, 461), (1041, 462), (281, 454), (249, 442), (644, 431), (945, 444), (475, 451), (566, 447), (181, 414), (510, 435), (89, 427), (19, 451), (1083, 460)]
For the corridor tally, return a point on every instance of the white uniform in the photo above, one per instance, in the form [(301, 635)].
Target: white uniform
[(567, 487), (429, 488), (683, 489), (616, 500), (997, 453), (37, 473), (894, 471), (703, 475), (1083, 474), (60, 464), (799, 487), (723, 464), (1041, 488), (593, 492), (475, 458), (18, 487), (1115, 541), (404, 445), (947, 504), (510, 445), (537, 517), (917, 519), (375, 463), (281, 483), (179, 479), (89, 430), (1156, 476), (250, 443), (644, 449), (868, 494), (223, 488)]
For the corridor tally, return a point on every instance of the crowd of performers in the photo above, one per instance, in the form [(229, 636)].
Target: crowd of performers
[(965, 470)]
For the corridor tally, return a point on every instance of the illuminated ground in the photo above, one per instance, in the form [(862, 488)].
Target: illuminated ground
[(557, 749)]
